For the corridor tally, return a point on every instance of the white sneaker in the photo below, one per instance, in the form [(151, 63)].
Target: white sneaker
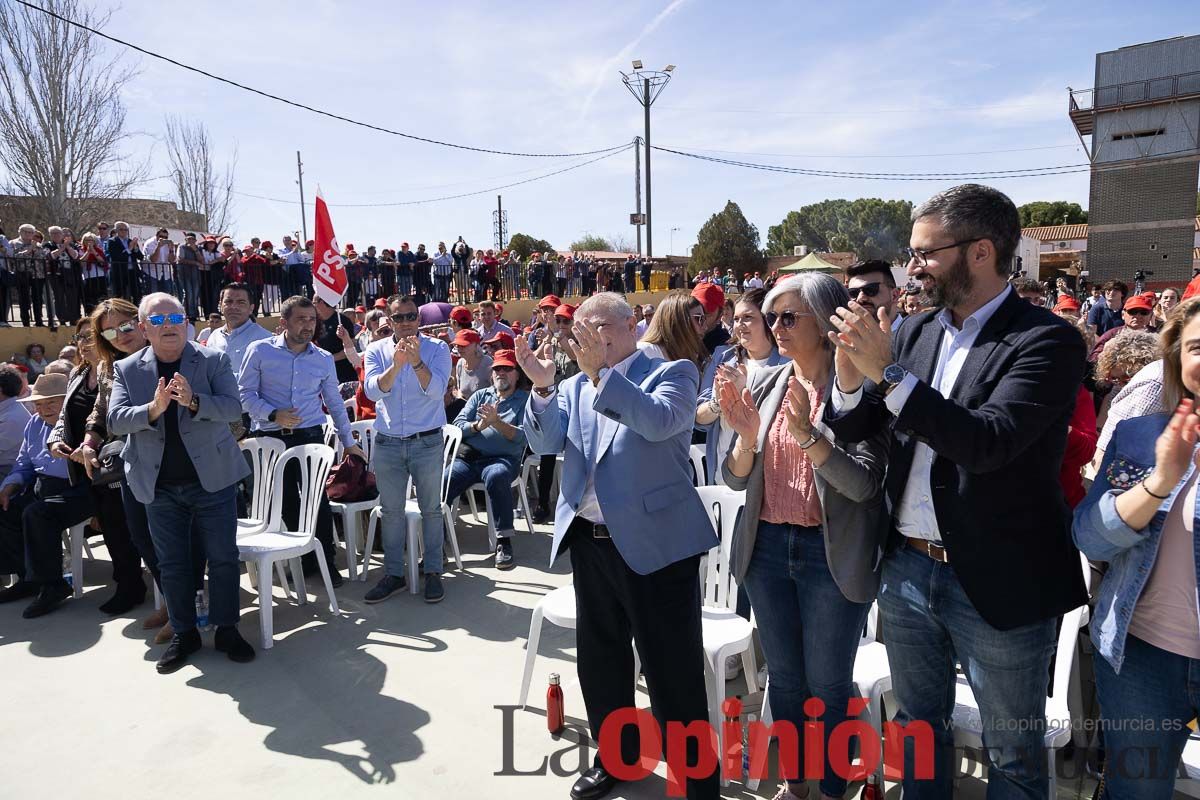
[(785, 793), (762, 675), (733, 667)]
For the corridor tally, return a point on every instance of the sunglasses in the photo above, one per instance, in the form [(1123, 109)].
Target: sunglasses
[(158, 320), (503, 369), (787, 319), (869, 289), (697, 318), (125, 327), (408, 316), (1137, 312), (83, 338)]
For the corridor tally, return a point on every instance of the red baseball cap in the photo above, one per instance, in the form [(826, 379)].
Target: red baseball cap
[(711, 296), (466, 337), (550, 301), (504, 358), (1138, 301), (1066, 303), (381, 303), (461, 315), (503, 339), (360, 309), (565, 310)]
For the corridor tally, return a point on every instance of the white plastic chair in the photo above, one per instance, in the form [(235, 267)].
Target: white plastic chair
[(557, 607), (968, 728), (725, 633), (264, 453), (451, 439), (351, 513), (696, 456), (276, 544), (74, 539), (1190, 761), (531, 465), (519, 483)]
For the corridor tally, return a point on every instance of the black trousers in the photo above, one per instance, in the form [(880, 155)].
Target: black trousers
[(660, 612), (291, 492), (126, 561), (31, 529), (546, 480)]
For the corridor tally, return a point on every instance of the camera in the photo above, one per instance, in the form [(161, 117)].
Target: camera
[(1141, 274)]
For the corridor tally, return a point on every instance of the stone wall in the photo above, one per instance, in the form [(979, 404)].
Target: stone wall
[(16, 210)]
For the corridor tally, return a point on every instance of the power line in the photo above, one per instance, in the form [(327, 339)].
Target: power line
[(888, 155), (851, 111), (305, 107), (447, 197)]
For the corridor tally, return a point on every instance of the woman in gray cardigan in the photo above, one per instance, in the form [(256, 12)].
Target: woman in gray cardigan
[(808, 546)]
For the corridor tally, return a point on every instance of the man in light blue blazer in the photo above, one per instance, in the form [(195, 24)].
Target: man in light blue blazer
[(174, 401), (632, 521)]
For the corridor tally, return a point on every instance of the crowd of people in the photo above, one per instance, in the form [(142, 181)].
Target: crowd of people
[(943, 450)]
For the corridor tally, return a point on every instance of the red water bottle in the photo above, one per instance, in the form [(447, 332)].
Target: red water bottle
[(555, 718), (871, 790)]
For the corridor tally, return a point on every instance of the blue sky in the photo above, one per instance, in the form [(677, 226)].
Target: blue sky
[(859, 86)]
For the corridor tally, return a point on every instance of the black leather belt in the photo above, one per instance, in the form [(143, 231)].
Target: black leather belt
[(421, 435), (310, 430), (594, 529)]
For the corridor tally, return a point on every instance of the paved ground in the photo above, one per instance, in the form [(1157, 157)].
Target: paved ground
[(398, 697)]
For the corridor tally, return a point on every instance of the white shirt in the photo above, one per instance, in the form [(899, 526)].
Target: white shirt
[(754, 283), (589, 505), (915, 516), (642, 327)]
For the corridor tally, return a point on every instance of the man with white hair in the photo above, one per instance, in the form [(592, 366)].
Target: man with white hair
[(633, 522), (174, 401), (647, 318)]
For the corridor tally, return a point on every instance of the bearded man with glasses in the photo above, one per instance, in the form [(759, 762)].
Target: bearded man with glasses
[(174, 401)]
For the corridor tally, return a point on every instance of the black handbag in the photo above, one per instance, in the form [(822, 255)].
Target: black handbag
[(112, 466)]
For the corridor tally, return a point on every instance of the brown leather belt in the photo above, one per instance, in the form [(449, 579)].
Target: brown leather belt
[(932, 549)]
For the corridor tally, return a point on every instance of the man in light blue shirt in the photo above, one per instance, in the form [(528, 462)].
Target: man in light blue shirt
[(239, 331), (406, 376), (282, 384), (493, 443), (13, 416)]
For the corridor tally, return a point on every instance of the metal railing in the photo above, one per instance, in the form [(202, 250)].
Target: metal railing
[(1133, 92)]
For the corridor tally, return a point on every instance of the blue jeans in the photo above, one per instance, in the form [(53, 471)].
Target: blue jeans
[(928, 622), (404, 283), (809, 631), (497, 474), (395, 461), (189, 287), (1144, 712), (175, 515)]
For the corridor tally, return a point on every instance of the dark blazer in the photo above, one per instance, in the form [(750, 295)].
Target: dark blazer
[(64, 431), (999, 440)]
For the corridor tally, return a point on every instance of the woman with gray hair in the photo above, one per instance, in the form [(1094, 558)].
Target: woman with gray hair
[(808, 545)]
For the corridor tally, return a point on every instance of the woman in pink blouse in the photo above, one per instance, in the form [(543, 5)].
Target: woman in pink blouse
[(809, 542)]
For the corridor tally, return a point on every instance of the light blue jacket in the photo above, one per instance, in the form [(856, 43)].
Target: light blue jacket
[(206, 436), (643, 476), (1103, 536)]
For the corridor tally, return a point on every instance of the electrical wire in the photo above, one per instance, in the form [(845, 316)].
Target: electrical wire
[(303, 106), (887, 155), (447, 197)]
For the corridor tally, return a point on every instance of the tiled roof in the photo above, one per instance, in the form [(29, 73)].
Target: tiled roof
[(1061, 233)]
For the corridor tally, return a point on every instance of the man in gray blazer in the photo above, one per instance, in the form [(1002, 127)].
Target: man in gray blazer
[(174, 401)]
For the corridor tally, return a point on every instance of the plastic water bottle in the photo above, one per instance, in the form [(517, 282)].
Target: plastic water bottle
[(201, 611), (69, 578)]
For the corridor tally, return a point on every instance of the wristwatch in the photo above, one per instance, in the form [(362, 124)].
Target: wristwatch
[(544, 391), (194, 406), (893, 374)]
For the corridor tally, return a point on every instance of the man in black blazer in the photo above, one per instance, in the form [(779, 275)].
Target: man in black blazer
[(978, 394)]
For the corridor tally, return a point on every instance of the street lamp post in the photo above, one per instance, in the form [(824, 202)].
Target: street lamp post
[(672, 250), (646, 85)]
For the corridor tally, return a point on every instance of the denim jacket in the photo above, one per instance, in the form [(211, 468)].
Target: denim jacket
[(1103, 536)]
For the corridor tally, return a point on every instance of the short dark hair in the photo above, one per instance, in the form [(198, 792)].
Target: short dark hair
[(295, 301), (403, 299), (1030, 285), (237, 287), (860, 268), (10, 380), (1120, 286), (972, 211)]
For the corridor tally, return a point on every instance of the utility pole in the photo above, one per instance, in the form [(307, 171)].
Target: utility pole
[(499, 225), (300, 180), (637, 188), (646, 85)]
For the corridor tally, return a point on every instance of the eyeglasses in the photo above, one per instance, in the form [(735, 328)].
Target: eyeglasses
[(1137, 312), (786, 318), (83, 338), (408, 316), (125, 327), (697, 318), (922, 256), (869, 289), (158, 320)]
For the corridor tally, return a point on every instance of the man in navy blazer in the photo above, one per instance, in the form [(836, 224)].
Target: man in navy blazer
[(633, 523), (174, 401)]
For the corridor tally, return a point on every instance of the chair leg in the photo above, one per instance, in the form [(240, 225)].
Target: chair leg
[(281, 571), (333, 606), (750, 667), (158, 598), (369, 547), (523, 493), (299, 582), (531, 647), (448, 519), (77, 543), (471, 502), (350, 527), (252, 574), (716, 693), (491, 525), (87, 550), (414, 549), (265, 601)]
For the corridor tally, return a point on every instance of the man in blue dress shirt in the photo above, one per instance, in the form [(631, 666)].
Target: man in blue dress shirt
[(406, 376), (283, 384)]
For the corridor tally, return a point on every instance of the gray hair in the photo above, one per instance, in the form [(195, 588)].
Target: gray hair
[(53, 229), (821, 293), (972, 212), (153, 299), (609, 305), (59, 366), (373, 315)]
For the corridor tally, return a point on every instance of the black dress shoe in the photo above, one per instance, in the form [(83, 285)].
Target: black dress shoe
[(227, 640), (176, 655), (48, 599), (125, 599), (541, 515), (593, 784), (504, 554), (18, 591)]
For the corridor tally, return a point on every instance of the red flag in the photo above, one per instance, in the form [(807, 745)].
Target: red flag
[(329, 268)]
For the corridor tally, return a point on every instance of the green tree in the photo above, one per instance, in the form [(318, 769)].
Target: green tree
[(523, 244), (1042, 213), (727, 241), (590, 241), (868, 226)]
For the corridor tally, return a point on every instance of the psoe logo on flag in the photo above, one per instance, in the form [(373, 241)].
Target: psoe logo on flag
[(329, 268)]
